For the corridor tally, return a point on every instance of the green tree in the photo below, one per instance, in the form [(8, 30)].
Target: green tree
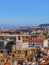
[(45, 34)]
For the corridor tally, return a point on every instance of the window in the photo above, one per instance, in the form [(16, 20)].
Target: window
[(31, 44), (19, 38)]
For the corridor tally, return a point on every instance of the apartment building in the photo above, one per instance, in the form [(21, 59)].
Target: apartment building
[(36, 42)]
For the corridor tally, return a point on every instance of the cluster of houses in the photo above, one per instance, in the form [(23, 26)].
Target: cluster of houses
[(24, 41)]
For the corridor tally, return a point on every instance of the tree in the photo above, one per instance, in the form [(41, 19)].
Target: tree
[(45, 34)]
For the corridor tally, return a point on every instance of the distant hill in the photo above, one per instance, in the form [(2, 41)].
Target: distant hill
[(43, 25)]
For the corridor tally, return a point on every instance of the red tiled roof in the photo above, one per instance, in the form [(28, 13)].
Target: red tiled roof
[(35, 49), (34, 40), (2, 57)]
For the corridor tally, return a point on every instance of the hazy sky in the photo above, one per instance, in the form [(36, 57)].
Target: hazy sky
[(23, 12)]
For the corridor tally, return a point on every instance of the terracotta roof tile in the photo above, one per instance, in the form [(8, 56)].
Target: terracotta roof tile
[(34, 40)]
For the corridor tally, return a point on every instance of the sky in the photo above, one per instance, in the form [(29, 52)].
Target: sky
[(23, 12)]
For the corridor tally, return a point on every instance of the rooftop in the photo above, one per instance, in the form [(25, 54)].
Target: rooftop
[(35, 40)]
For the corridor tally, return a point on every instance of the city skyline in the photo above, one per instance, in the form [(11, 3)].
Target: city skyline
[(24, 12)]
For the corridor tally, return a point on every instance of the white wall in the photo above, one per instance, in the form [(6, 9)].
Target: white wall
[(45, 43)]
